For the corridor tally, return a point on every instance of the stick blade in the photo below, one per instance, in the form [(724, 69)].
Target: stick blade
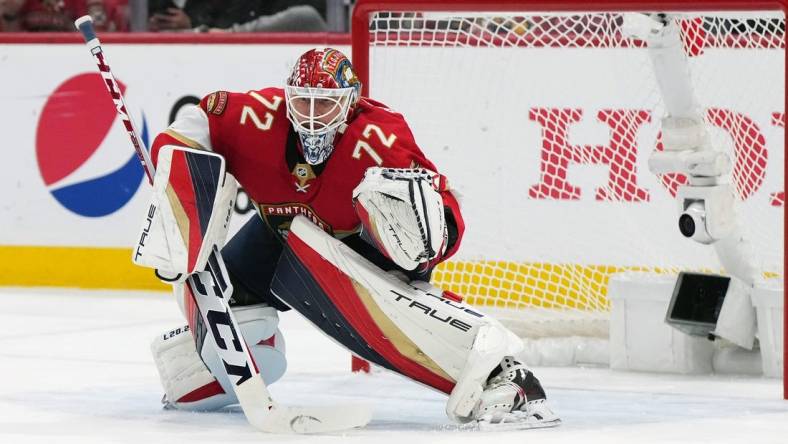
[(305, 420)]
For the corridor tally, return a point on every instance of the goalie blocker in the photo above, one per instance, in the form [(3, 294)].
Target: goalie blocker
[(410, 329), (189, 212)]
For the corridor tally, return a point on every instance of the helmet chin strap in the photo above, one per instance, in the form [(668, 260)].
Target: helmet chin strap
[(317, 148)]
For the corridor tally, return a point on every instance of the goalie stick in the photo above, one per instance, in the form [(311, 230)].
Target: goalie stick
[(211, 290)]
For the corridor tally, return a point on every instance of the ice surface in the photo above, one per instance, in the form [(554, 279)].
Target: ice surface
[(75, 368)]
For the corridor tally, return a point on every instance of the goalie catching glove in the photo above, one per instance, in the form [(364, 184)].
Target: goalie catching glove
[(402, 215)]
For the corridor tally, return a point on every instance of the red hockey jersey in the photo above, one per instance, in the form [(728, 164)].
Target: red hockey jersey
[(252, 132)]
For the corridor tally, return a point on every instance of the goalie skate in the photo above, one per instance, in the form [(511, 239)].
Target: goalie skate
[(513, 399), (537, 415)]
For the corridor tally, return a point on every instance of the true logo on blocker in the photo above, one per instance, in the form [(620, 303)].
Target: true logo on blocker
[(75, 121)]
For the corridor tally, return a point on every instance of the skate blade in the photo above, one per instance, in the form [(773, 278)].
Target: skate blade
[(487, 426)]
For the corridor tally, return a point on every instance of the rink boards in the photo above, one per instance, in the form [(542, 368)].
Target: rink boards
[(74, 195)]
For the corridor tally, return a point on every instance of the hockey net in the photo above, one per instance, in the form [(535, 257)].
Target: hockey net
[(544, 121)]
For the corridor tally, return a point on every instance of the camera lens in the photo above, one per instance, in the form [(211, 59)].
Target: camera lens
[(686, 225)]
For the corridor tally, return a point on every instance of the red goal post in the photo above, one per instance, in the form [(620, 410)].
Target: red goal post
[(395, 34)]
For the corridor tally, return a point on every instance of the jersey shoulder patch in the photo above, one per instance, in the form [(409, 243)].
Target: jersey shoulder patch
[(216, 103)]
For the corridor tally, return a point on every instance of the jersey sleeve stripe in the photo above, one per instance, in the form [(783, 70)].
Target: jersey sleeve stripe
[(192, 128), (185, 141)]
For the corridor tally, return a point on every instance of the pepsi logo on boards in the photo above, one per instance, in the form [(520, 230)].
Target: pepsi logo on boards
[(74, 123)]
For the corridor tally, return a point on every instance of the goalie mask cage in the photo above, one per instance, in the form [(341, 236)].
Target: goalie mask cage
[(543, 115)]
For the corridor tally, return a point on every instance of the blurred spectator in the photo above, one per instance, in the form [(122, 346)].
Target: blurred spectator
[(108, 15), (236, 15), (59, 15), (182, 15), (10, 15), (303, 18), (48, 15)]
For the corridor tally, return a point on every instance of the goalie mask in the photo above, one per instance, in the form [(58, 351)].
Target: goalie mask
[(321, 92)]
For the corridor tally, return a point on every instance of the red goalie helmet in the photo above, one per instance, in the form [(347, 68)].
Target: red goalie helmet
[(321, 92)]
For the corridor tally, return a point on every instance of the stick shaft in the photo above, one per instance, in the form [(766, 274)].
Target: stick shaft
[(249, 387), (84, 25), (253, 395)]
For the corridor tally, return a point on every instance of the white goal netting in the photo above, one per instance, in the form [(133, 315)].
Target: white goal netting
[(544, 122)]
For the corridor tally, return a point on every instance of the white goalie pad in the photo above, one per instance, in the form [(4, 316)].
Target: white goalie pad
[(404, 324), (196, 380), (402, 214), (189, 211)]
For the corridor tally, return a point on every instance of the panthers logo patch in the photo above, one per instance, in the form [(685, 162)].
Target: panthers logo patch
[(216, 103)]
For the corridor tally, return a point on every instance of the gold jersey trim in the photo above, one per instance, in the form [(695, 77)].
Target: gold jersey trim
[(184, 140)]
